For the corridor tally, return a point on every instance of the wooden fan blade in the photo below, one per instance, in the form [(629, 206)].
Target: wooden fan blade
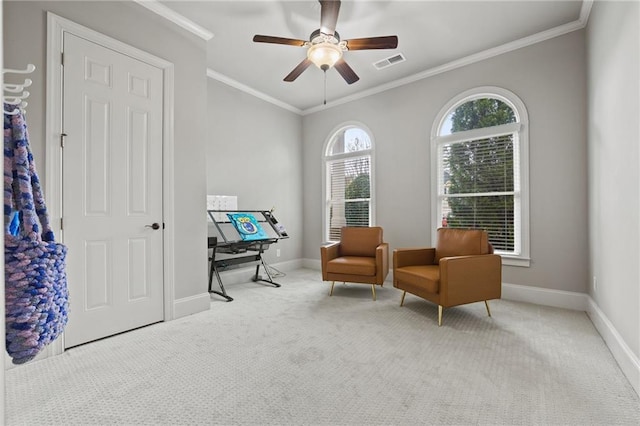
[(386, 42), (346, 72), (329, 10), (278, 40), (298, 70)]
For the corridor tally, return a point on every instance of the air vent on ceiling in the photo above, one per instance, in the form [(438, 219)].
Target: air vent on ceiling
[(391, 60)]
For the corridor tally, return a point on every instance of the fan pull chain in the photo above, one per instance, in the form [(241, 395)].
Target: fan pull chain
[(325, 87)]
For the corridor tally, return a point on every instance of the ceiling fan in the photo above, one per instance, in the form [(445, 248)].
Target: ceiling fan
[(325, 49)]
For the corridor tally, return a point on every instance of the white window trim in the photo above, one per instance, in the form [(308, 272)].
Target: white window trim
[(327, 158), (521, 127)]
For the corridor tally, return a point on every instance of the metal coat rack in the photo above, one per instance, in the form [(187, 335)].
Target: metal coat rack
[(13, 94)]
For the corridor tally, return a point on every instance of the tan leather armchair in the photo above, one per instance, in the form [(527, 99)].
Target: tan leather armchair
[(460, 269), (361, 256)]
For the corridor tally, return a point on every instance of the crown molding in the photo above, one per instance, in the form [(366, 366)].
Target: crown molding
[(585, 11), (176, 18), (206, 35), (237, 85), (467, 60)]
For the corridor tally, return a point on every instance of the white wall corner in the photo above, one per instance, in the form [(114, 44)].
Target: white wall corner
[(191, 305), (312, 264), (628, 361), (545, 296)]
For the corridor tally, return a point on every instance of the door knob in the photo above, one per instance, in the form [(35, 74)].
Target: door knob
[(153, 226)]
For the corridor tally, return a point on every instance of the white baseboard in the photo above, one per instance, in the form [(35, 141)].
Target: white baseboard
[(515, 292), (314, 264), (629, 363), (191, 305), (289, 265), (545, 296)]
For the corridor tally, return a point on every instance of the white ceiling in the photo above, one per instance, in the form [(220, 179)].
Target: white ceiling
[(433, 36)]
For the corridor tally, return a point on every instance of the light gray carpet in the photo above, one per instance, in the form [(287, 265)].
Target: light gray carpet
[(294, 355)]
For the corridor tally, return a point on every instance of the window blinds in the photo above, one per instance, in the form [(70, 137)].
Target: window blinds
[(349, 191), (478, 187)]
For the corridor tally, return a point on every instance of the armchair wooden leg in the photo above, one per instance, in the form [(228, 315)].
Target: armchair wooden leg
[(373, 290), (439, 315), (486, 303), (331, 291), (404, 293)]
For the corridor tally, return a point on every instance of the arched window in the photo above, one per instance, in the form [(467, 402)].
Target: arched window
[(348, 188), (480, 169)]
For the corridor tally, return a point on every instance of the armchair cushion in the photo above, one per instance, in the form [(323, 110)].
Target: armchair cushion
[(352, 265), (426, 277)]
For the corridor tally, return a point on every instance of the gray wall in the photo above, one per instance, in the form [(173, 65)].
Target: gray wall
[(550, 79), (24, 33), (613, 40), (254, 151)]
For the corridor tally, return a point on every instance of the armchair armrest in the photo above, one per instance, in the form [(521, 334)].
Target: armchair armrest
[(382, 258), (330, 250), (413, 256), (327, 253), (466, 279)]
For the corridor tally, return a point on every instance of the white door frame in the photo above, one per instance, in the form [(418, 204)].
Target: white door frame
[(56, 27)]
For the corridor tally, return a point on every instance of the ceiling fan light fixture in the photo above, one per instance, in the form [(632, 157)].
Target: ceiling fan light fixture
[(324, 55), (325, 49)]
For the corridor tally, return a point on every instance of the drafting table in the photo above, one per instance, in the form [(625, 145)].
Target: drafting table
[(226, 239)]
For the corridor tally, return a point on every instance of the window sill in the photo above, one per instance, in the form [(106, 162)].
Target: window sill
[(507, 260)]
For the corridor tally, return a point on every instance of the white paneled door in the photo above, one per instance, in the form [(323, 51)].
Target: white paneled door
[(112, 190)]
